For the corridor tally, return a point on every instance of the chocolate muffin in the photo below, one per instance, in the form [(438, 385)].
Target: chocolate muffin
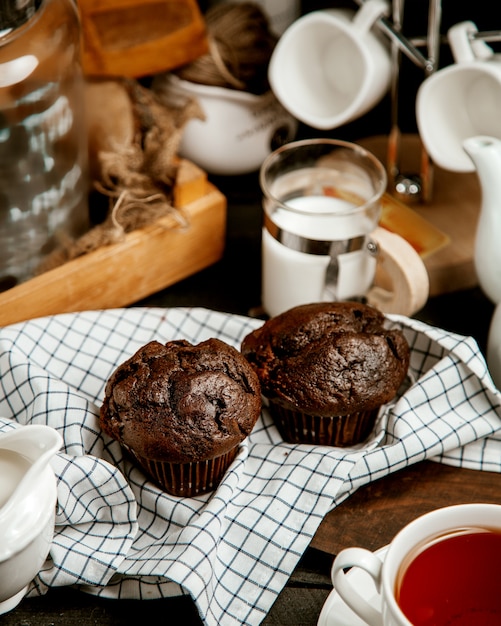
[(181, 411), (326, 369)]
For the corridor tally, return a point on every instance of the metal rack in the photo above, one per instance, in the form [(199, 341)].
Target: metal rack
[(414, 187)]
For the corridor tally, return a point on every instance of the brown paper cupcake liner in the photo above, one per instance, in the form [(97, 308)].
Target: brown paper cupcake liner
[(338, 430), (187, 479)]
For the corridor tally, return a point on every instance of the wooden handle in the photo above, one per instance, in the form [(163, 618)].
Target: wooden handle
[(402, 284)]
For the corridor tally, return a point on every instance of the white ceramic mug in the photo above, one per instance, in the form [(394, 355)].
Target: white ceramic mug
[(420, 534), (331, 66), (461, 100), (320, 239)]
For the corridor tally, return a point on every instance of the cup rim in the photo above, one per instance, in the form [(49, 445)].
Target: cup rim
[(215, 91), (335, 143)]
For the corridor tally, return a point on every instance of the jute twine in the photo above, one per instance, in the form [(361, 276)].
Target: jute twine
[(138, 178), (240, 46)]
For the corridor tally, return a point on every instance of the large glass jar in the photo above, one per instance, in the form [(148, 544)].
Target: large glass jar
[(43, 138)]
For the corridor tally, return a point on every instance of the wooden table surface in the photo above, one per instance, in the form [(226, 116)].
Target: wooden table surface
[(369, 518)]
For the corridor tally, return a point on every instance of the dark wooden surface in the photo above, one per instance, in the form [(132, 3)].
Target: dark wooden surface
[(375, 513)]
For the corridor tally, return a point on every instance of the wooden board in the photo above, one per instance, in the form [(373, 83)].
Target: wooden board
[(147, 261), (454, 209)]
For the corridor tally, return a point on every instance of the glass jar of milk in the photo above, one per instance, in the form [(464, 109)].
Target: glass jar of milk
[(322, 200)]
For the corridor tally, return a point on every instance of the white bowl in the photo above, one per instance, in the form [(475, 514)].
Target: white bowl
[(240, 128)]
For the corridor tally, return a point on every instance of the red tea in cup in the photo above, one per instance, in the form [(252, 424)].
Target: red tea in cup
[(454, 580)]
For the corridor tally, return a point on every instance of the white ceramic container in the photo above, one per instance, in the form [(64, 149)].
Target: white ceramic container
[(240, 129), (28, 496)]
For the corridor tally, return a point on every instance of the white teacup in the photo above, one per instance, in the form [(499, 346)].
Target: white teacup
[(330, 66), (461, 100), (438, 552)]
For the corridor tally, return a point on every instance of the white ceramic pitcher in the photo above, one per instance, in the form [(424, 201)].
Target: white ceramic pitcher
[(485, 153), (28, 495)]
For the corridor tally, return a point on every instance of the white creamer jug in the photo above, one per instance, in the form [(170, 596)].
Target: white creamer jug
[(485, 153), (28, 496)]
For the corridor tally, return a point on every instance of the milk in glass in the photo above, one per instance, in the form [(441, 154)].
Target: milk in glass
[(292, 277)]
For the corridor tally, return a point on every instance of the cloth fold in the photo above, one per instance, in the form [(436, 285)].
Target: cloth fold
[(119, 536)]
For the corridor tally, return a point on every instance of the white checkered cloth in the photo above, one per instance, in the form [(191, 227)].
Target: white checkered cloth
[(118, 535)]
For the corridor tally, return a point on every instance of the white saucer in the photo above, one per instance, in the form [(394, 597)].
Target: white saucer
[(336, 613)]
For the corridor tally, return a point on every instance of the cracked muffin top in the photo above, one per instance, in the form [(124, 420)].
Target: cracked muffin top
[(329, 358), (180, 402)]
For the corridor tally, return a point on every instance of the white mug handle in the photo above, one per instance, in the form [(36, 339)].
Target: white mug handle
[(368, 14), (402, 284), (369, 562), (464, 47)]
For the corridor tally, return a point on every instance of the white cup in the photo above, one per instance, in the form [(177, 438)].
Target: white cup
[(239, 128), (439, 524), (330, 66), (461, 100), (322, 205)]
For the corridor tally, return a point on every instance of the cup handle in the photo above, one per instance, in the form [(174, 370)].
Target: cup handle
[(464, 47), (368, 14), (402, 284), (369, 562)]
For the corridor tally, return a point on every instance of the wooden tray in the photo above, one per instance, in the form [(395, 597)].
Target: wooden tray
[(147, 261)]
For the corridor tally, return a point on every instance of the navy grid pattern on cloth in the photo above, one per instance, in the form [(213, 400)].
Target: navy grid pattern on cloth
[(118, 535)]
